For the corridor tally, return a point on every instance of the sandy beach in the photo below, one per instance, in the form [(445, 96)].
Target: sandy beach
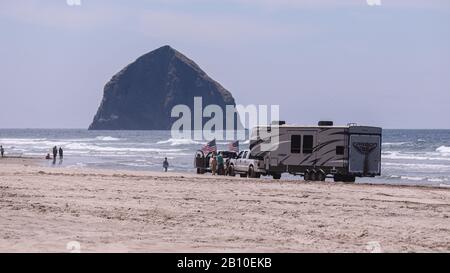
[(43, 209)]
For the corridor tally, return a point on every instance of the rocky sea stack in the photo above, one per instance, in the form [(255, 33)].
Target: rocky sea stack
[(142, 95)]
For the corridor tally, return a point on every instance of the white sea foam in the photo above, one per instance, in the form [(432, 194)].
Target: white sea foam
[(395, 143), (77, 165), (410, 156), (22, 141), (435, 180), (443, 150), (87, 147), (176, 142), (417, 166), (107, 138), (131, 164), (412, 178), (43, 145)]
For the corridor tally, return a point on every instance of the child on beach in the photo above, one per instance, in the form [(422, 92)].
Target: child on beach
[(165, 164), (213, 164)]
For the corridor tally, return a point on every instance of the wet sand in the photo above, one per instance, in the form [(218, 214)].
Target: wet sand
[(42, 209)]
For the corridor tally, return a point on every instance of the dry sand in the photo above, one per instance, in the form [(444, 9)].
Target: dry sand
[(42, 209)]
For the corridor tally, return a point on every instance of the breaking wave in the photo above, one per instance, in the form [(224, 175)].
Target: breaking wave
[(395, 143), (107, 138), (177, 142), (416, 166), (407, 156), (87, 147), (444, 150)]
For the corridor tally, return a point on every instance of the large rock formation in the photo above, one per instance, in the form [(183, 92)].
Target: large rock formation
[(142, 95)]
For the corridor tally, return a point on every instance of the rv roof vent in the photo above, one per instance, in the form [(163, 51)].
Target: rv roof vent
[(326, 123), (278, 122)]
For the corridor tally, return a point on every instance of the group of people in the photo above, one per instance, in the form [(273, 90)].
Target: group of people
[(217, 164), (56, 151)]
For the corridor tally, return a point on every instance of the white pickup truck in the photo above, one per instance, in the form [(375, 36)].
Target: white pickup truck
[(246, 166)]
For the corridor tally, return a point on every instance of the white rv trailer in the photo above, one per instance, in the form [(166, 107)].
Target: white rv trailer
[(343, 152)]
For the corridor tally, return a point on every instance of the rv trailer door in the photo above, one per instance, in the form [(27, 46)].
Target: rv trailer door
[(364, 155)]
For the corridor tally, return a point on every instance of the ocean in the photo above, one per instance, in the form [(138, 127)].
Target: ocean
[(409, 157)]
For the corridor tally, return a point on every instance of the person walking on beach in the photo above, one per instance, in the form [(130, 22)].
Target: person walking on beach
[(220, 169), (213, 164), (61, 153), (2, 151), (165, 164)]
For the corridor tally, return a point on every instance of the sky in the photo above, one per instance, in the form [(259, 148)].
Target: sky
[(384, 65)]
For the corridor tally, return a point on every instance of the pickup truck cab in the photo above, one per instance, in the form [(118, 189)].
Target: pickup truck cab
[(246, 165)]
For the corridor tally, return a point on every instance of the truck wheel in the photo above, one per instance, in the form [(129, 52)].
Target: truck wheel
[(251, 172), (231, 171), (276, 176)]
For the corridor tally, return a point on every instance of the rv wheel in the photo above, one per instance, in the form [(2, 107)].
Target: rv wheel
[(349, 179), (307, 176), (338, 178), (321, 176), (313, 176)]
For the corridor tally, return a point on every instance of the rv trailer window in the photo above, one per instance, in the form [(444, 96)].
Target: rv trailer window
[(340, 150), (308, 144), (296, 144)]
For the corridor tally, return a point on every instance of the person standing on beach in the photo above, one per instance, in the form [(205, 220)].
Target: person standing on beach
[(61, 153), (2, 151), (165, 164), (220, 164), (55, 152), (213, 164)]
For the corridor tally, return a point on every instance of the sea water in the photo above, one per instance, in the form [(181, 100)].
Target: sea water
[(412, 157)]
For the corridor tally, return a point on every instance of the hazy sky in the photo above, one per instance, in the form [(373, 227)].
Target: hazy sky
[(342, 60)]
